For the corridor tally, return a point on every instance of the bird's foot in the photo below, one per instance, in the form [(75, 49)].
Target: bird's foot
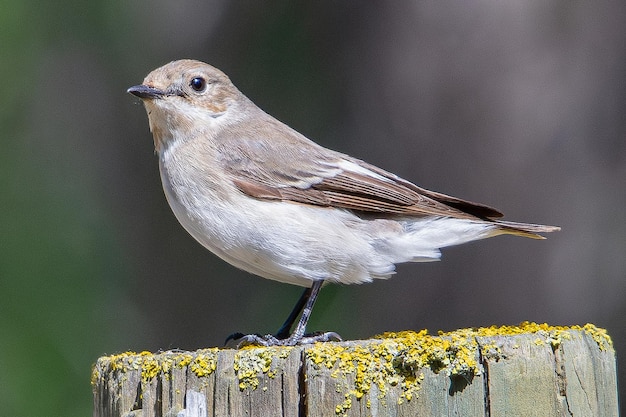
[(311, 338), (239, 340)]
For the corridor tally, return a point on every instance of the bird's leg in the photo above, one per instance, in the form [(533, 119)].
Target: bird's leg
[(282, 338), (285, 329), (298, 337), (309, 302)]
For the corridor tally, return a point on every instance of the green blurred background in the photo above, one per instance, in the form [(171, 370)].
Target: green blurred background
[(516, 104)]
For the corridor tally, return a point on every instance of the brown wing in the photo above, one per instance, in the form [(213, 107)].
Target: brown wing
[(470, 207), (369, 194), (277, 163), (355, 192)]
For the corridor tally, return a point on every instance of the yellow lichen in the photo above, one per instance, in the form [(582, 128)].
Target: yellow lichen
[(341, 409), (202, 363), (150, 366), (370, 364), (251, 363), (205, 362), (392, 360), (183, 360), (397, 359), (454, 353), (600, 336), (492, 351), (95, 374)]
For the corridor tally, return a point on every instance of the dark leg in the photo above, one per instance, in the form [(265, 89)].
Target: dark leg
[(306, 312), (283, 338), (285, 329)]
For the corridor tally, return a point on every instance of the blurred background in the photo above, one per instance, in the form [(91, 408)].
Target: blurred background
[(515, 104)]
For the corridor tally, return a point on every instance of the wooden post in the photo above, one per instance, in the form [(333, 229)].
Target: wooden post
[(526, 370)]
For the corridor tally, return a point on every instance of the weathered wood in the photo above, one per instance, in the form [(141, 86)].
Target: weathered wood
[(527, 370)]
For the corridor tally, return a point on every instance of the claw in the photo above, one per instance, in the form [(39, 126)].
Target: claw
[(233, 340), (240, 340), (319, 337), (283, 337)]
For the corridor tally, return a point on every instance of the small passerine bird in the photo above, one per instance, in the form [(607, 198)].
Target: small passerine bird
[(266, 199)]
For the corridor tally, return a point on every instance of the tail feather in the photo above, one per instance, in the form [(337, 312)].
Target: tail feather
[(524, 229)]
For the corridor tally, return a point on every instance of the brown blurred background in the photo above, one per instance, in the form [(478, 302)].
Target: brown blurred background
[(519, 105)]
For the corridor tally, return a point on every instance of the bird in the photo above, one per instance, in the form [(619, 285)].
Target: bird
[(270, 201)]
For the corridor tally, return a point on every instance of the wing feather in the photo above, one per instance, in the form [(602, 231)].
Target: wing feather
[(298, 170)]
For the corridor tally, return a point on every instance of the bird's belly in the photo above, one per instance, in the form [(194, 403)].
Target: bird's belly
[(299, 243), (276, 240)]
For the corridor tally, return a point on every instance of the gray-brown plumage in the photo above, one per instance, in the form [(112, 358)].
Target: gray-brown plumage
[(270, 201)]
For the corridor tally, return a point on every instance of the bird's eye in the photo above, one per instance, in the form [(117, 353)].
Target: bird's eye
[(198, 84)]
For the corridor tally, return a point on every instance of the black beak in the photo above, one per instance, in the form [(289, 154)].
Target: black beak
[(145, 92)]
